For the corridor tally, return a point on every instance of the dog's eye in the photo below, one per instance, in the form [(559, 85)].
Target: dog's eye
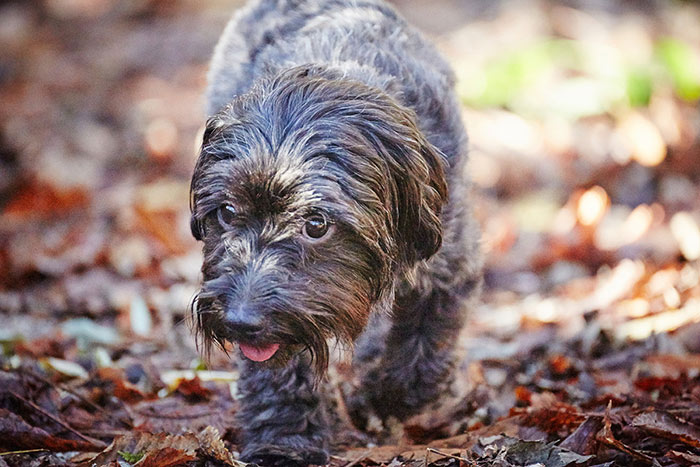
[(226, 214), (316, 226)]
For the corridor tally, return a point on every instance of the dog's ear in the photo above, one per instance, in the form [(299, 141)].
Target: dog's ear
[(214, 124), (417, 182), (426, 237), (421, 193)]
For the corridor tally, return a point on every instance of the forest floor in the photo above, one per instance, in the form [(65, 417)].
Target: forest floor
[(585, 156)]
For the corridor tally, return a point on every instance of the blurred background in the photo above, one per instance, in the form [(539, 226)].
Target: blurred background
[(583, 118), (585, 156)]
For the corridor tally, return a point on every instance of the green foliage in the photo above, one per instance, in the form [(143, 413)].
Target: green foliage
[(639, 87), (131, 458), (576, 78), (508, 76), (682, 65)]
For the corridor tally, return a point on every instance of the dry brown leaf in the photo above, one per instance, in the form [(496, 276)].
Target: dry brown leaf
[(606, 436), (15, 433), (159, 449), (193, 389), (166, 457), (666, 425), (211, 445), (583, 440)]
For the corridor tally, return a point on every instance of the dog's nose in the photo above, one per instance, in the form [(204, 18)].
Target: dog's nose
[(244, 321)]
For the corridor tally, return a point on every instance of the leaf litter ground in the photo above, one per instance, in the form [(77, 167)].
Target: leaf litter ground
[(585, 138)]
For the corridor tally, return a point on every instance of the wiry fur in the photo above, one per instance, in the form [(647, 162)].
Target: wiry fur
[(337, 107)]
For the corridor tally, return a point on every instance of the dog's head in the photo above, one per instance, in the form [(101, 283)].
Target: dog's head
[(310, 194)]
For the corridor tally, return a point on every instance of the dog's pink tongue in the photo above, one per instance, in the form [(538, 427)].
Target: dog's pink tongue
[(259, 354)]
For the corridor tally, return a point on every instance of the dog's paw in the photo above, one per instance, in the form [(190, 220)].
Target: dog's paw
[(269, 455), (365, 417)]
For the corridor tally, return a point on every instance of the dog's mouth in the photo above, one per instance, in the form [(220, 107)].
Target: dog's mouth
[(259, 354)]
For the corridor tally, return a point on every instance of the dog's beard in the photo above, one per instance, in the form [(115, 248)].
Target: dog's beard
[(301, 321)]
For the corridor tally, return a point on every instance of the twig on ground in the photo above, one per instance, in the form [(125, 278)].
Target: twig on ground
[(452, 456)]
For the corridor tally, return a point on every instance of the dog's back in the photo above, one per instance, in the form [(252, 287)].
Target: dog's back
[(366, 40)]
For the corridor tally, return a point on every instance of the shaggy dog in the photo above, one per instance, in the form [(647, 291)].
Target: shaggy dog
[(331, 201)]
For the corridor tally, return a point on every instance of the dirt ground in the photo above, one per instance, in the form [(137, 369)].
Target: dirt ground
[(585, 148)]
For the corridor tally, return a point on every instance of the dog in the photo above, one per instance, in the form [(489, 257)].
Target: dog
[(331, 199)]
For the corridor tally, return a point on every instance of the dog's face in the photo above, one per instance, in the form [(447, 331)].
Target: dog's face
[(310, 194)]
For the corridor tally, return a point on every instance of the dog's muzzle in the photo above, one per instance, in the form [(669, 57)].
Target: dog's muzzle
[(247, 327)]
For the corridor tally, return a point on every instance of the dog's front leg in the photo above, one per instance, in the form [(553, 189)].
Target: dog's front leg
[(415, 364), (282, 417)]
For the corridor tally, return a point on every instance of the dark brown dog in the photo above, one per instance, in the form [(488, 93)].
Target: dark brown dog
[(331, 200)]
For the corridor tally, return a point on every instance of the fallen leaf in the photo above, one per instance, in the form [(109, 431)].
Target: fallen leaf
[(583, 439), (123, 389), (606, 435), (666, 425), (15, 434), (67, 368), (193, 389), (153, 450), (686, 457), (211, 445)]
